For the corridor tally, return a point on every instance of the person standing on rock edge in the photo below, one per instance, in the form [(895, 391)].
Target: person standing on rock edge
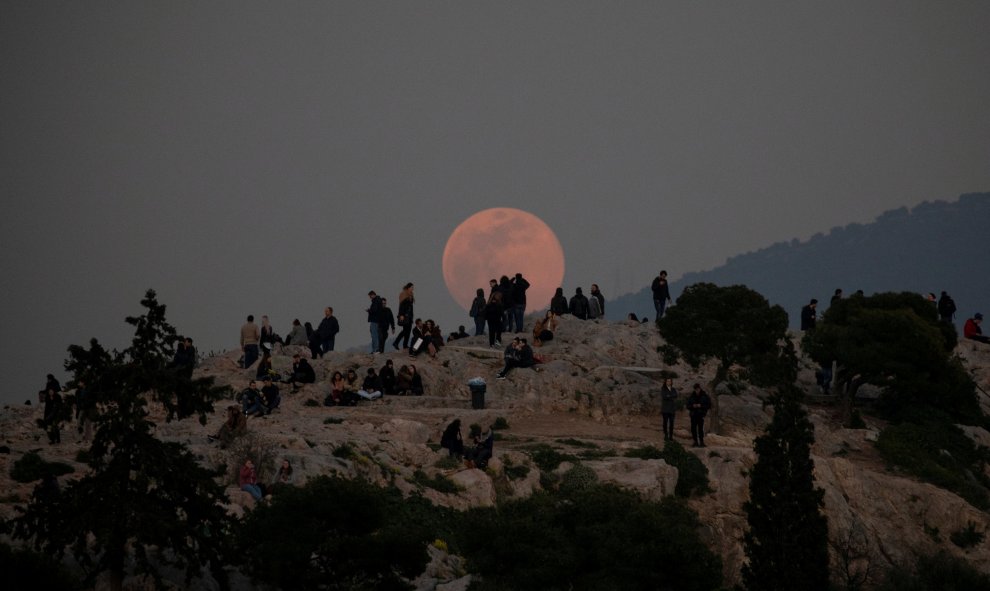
[(478, 312), (406, 301), (327, 331), (661, 294), (374, 317), (596, 303), (386, 321), (808, 316), (698, 404), (250, 337), (519, 287), (668, 406)]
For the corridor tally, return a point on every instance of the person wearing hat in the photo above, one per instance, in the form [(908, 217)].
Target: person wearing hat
[(971, 330)]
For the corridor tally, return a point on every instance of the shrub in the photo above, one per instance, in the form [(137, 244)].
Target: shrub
[(30, 467), (344, 451), (967, 536), (648, 452), (437, 483), (547, 458), (333, 421), (448, 462), (578, 443), (942, 571), (311, 402), (692, 475), (500, 424), (940, 453), (578, 478)]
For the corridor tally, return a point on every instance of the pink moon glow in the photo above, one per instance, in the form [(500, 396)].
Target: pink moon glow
[(503, 241)]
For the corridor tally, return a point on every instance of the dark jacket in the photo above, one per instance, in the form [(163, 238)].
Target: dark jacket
[(579, 305), (375, 310), (661, 291), (328, 327), (807, 317), (698, 403), (505, 286), (558, 304), (519, 287), (668, 400), (477, 307), (406, 312), (386, 318), (303, 372)]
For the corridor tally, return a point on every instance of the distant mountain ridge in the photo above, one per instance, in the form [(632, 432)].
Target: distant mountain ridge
[(933, 247)]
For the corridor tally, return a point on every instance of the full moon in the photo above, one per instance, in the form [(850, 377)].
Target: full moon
[(503, 241)]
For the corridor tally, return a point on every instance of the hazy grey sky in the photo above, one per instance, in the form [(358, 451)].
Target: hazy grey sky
[(274, 158)]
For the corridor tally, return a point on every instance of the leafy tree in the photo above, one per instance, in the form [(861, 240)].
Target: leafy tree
[(734, 325), (894, 341), (336, 533), (144, 499), (597, 537), (787, 541)]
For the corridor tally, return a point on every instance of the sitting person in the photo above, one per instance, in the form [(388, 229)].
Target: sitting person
[(419, 340), (232, 427), (371, 388), (451, 439), (416, 382), (302, 372), (972, 330), (297, 336), (460, 334), (265, 365), (248, 481), (387, 376), (270, 395), (283, 479), (544, 329), (250, 399), (481, 452), (517, 354)]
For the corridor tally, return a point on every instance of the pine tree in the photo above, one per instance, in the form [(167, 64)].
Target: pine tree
[(144, 500), (787, 541)]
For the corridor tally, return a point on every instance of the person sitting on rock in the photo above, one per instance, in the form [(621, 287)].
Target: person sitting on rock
[(336, 395), (371, 388), (265, 365), (297, 336), (250, 399), (416, 381), (972, 330), (248, 481), (451, 439), (284, 478), (302, 372), (481, 452), (270, 395), (460, 334), (232, 427), (387, 376), (544, 329), (518, 354)]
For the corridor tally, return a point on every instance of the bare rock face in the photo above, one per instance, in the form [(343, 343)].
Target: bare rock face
[(598, 390)]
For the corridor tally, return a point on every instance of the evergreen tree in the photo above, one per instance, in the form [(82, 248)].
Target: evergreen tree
[(144, 500), (787, 541)]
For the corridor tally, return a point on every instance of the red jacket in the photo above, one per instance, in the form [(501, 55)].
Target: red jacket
[(971, 329), (248, 476)]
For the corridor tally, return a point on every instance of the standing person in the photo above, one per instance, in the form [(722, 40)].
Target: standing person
[(837, 296), (248, 481), (698, 404), (668, 406), (327, 331), (451, 439), (596, 303), (386, 322), (268, 333), (505, 286), (661, 294), (946, 307), (53, 416), (493, 315), (313, 340), (558, 303), (406, 301), (478, 312), (250, 337), (808, 319), (579, 305), (519, 287), (374, 318)]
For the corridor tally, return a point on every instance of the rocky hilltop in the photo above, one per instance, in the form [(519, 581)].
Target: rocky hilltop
[(596, 390)]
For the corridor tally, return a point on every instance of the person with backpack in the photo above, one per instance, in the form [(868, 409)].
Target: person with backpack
[(946, 307)]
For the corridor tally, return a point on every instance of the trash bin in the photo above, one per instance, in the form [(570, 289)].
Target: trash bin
[(478, 388)]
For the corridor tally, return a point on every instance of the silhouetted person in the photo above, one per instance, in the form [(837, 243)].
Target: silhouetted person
[(808, 315), (519, 287), (661, 293), (327, 331), (478, 312), (405, 321), (558, 303), (972, 330), (946, 307), (250, 338), (579, 305), (698, 404)]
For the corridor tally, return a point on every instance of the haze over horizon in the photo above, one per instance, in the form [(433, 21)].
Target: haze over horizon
[(245, 158)]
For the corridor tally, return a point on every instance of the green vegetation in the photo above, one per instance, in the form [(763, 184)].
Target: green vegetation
[(692, 475), (942, 571), (438, 483), (26, 570), (333, 421), (647, 452), (546, 458), (30, 467), (500, 424), (587, 538), (938, 452), (968, 536), (787, 541), (578, 443), (134, 474)]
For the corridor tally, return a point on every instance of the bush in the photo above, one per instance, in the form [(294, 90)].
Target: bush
[(578, 478), (692, 475), (941, 571), (940, 453), (31, 467), (437, 483), (967, 536), (648, 452), (597, 537), (500, 424), (547, 458)]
